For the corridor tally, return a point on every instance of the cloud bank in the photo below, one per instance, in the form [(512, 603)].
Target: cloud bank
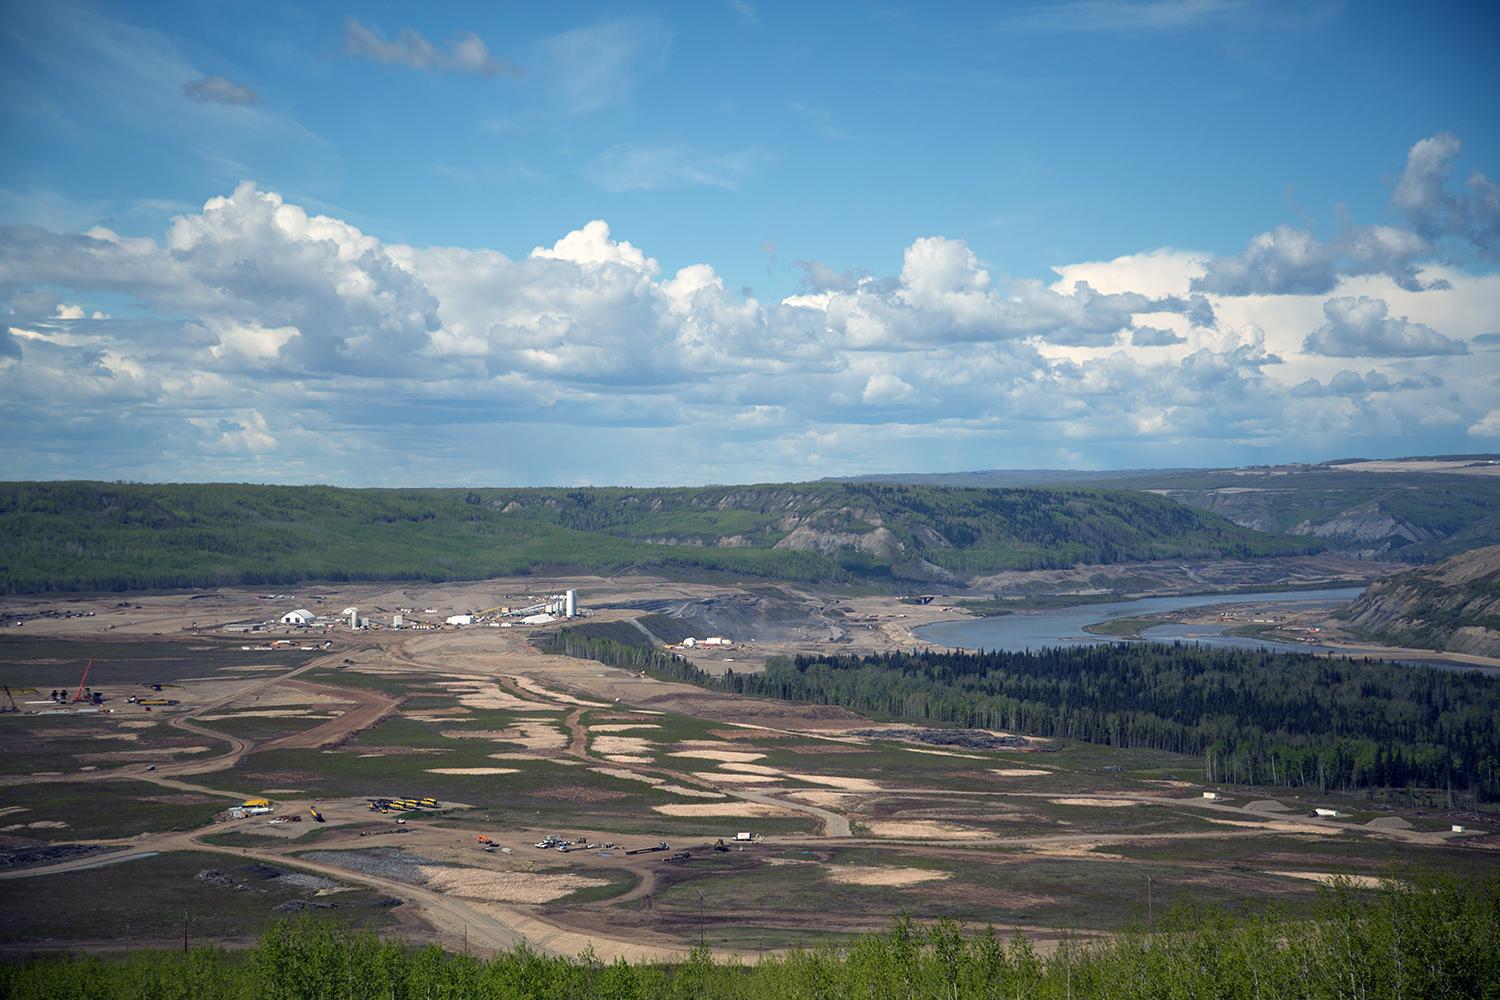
[(254, 339)]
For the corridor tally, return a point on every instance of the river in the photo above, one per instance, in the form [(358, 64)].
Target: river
[(1065, 626)]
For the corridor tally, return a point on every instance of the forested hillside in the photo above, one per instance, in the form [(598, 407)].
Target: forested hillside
[(1254, 717), (1425, 511), (110, 536), (1452, 606)]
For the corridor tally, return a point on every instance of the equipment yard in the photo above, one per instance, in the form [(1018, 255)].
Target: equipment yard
[(454, 782)]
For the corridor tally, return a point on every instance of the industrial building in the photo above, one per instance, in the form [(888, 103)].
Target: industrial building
[(301, 616)]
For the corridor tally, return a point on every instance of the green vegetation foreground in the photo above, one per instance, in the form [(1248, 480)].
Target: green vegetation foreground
[(1432, 936)]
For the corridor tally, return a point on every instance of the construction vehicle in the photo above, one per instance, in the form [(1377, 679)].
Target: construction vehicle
[(82, 680), (484, 839), (315, 814), (430, 803), (720, 846), (680, 856), (663, 846), (10, 705)]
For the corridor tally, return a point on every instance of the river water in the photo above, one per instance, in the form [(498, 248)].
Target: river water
[(1065, 626)]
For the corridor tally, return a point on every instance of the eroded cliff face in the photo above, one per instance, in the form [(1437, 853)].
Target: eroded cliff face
[(1452, 606)]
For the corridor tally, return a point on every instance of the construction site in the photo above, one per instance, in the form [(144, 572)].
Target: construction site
[(442, 779)]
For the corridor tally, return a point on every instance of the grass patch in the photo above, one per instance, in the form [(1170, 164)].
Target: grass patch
[(148, 899)]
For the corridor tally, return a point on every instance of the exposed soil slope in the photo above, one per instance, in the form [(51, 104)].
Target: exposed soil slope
[(1453, 606)]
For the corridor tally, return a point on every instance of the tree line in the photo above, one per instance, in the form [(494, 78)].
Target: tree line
[(1253, 716)]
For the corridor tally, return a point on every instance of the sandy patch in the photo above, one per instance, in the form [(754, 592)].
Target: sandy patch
[(1326, 878), (620, 727), (1019, 772), (41, 824), (1277, 826), (7, 810), (280, 791), (725, 809), (491, 696), (619, 744), (396, 751), (1266, 805), (518, 755), (710, 744), (720, 777), (884, 876), (506, 887), (625, 758), (818, 797), (438, 714), (836, 781), (531, 735), (1101, 803), (532, 687), (693, 793), (616, 772), (751, 768), (471, 770), (137, 725), (920, 828), (733, 756), (945, 753)]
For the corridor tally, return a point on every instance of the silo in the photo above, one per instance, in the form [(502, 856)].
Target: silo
[(570, 606)]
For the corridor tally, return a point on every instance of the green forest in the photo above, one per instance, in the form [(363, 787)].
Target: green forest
[(1424, 936), (119, 536), (1254, 717)]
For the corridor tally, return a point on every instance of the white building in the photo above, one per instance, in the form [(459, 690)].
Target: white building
[(301, 616), (460, 619)]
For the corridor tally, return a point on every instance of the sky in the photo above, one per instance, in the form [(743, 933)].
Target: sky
[(741, 241)]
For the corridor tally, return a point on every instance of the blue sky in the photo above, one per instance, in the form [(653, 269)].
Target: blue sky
[(803, 242)]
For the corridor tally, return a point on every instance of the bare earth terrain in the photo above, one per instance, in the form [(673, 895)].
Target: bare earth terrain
[(843, 823)]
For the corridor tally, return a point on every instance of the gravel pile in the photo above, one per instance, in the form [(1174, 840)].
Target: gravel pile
[(384, 862)]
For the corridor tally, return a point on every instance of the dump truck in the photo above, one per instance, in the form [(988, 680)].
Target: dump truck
[(484, 839), (315, 814)]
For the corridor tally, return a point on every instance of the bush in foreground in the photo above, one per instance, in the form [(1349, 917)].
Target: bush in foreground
[(1427, 936)]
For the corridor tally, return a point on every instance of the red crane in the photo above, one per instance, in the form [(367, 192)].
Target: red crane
[(79, 696)]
